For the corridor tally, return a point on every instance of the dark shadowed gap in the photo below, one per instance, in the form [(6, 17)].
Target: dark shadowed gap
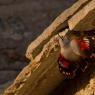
[(70, 87)]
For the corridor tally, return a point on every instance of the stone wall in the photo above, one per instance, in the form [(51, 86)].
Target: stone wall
[(42, 76)]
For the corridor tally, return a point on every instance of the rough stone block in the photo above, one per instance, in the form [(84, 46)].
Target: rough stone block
[(42, 73), (59, 23), (84, 20)]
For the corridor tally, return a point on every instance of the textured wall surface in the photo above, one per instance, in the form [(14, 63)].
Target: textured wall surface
[(42, 72)]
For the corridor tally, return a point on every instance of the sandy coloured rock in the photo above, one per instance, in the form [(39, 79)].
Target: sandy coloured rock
[(40, 74), (59, 23), (43, 71), (84, 20)]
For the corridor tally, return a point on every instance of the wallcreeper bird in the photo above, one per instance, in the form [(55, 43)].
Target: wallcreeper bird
[(75, 53)]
